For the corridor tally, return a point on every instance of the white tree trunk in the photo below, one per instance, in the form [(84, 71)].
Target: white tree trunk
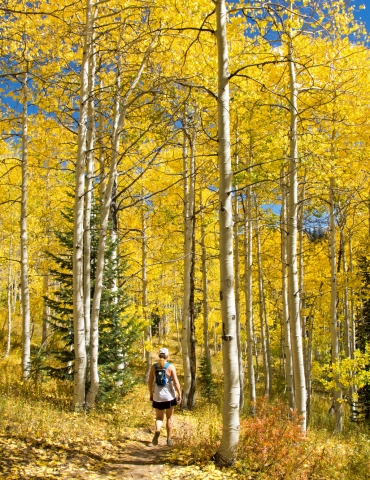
[(192, 339), (144, 280), (237, 296), (78, 286), (89, 196), (346, 308), (305, 339), (294, 303), (248, 261), (264, 337), (337, 391), (100, 135), (9, 301), (285, 306), (188, 237), (25, 294), (205, 284), (177, 315), (353, 389), (230, 411)]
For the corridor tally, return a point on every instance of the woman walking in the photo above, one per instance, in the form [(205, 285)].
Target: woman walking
[(163, 377)]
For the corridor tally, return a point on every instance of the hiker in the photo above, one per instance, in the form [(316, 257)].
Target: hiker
[(163, 375)]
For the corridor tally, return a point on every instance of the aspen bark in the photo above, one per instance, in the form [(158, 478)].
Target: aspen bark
[(263, 322), (25, 294), (346, 308), (294, 303), (46, 308), (337, 391), (353, 334), (230, 412), (237, 302), (100, 135), (185, 331), (237, 289), (78, 287), (248, 261), (306, 355), (144, 280), (285, 306), (177, 315), (207, 351), (89, 194), (115, 259), (9, 302), (192, 343)]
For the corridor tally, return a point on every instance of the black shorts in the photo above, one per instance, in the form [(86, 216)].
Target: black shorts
[(165, 405)]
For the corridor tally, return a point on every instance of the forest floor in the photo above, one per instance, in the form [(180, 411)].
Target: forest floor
[(132, 457), (41, 438)]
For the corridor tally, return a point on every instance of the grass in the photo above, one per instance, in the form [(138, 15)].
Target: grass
[(270, 446)]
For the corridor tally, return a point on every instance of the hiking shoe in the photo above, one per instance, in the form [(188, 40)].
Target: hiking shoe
[(169, 442), (155, 438)]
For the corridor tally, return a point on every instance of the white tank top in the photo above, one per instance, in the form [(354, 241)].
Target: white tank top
[(165, 393)]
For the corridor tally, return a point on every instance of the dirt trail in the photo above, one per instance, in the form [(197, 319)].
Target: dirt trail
[(139, 460), (30, 458)]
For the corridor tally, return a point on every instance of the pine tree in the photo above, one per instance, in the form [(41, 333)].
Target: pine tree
[(118, 329)]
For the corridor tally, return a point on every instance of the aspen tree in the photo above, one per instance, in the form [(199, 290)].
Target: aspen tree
[(292, 217), (248, 262), (193, 356), (78, 233), (346, 309), (285, 306), (306, 355), (265, 342), (188, 325), (337, 391), (9, 301), (188, 236), (237, 283), (90, 139), (207, 351), (25, 294), (237, 296), (230, 411), (144, 280), (353, 333)]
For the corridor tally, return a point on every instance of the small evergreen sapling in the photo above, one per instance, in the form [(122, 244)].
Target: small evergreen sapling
[(118, 330), (207, 386)]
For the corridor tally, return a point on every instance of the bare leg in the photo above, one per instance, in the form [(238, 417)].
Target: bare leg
[(159, 414), (169, 413)]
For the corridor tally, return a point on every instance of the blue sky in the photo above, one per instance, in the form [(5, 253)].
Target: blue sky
[(363, 15)]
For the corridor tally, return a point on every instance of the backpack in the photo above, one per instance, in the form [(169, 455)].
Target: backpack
[(160, 375)]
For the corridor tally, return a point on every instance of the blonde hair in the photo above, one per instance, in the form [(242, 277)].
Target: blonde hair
[(162, 360)]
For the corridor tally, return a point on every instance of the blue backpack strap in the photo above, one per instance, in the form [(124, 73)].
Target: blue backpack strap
[(167, 364)]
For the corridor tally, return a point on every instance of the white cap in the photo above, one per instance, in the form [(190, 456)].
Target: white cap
[(164, 350)]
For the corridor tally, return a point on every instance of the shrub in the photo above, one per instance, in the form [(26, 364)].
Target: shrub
[(272, 444)]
